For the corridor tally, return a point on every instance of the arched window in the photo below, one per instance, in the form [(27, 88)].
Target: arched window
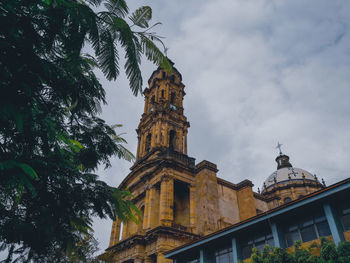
[(172, 98), (152, 103), (148, 142), (172, 139), (287, 200), (162, 94)]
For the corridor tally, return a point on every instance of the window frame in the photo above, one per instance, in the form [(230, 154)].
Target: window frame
[(297, 227)]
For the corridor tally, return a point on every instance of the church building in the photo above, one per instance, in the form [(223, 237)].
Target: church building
[(182, 200)]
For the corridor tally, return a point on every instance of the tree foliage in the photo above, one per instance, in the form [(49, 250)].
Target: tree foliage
[(326, 252), (51, 138)]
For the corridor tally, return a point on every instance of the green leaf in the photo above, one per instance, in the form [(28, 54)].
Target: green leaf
[(29, 171), (141, 16), (153, 53)]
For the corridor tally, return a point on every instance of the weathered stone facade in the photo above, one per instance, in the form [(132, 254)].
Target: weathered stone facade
[(180, 200)]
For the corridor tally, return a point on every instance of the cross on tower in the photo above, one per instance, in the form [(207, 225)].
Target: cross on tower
[(279, 147)]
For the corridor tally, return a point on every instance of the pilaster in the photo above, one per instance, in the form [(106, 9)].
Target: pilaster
[(125, 230), (147, 214), (115, 232), (166, 201), (193, 208)]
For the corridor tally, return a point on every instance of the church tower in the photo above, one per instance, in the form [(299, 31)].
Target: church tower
[(163, 124), (180, 201), (161, 179)]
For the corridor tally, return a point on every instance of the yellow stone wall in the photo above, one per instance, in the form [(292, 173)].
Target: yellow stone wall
[(228, 205), (246, 203)]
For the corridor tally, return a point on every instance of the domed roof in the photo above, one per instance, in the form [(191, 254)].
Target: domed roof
[(286, 173)]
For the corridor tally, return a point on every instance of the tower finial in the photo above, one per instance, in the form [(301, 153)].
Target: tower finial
[(279, 147)]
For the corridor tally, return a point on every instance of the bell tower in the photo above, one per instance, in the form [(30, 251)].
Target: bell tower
[(163, 124)]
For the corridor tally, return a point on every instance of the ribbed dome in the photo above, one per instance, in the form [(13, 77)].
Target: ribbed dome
[(286, 174)]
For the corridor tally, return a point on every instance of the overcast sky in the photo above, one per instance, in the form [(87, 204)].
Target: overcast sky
[(256, 72)]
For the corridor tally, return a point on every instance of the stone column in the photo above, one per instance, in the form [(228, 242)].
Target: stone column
[(180, 144), (159, 133), (166, 201), (115, 232), (153, 209), (154, 135), (142, 147), (146, 104), (138, 147), (125, 230), (185, 142), (193, 208), (145, 223)]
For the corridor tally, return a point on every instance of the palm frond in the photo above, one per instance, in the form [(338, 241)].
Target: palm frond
[(108, 56), (133, 49), (141, 16), (152, 52), (118, 8)]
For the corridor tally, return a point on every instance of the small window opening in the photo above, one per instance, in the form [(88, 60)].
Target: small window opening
[(172, 98), (172, 79), (172, 138), (162, 94), (163, 75), (148, 142), (152, 103)]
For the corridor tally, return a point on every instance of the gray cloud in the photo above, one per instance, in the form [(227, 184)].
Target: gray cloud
[(255, 72)]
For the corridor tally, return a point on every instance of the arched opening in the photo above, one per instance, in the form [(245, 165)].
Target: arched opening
[(181, 204), (153, 99), (162, 94), (172, 98), (172, 139), (148, 142), (287, 200)]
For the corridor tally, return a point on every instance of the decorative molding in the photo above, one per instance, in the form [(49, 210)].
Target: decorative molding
[(206, 165)]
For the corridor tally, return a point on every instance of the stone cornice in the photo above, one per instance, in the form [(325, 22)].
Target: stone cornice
[(164, 159), (233, 186), (151, 235), (206, 165)]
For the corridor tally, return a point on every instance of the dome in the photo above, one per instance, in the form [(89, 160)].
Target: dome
[(287, 173)]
